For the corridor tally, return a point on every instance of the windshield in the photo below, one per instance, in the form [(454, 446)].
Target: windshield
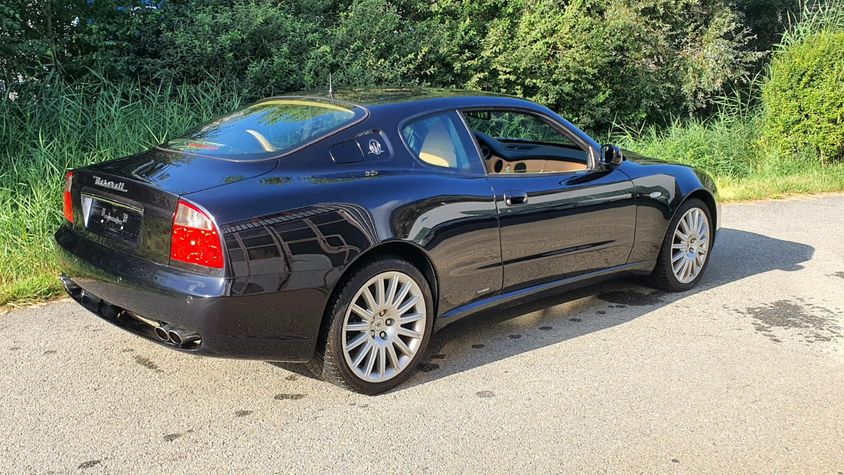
[(267, 129)]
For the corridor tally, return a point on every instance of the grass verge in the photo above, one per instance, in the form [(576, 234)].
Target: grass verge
[(811, 180), (729, 147)]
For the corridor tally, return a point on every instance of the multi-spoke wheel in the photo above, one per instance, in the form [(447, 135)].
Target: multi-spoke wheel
[(380, 323), (685, 251), (690, 245), (383, 327)]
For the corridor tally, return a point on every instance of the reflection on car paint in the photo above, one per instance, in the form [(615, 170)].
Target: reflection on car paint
[(266, 253)]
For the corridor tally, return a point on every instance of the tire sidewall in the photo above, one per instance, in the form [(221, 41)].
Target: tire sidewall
[(334, 346)]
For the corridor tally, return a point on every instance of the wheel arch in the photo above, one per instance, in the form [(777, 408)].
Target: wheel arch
[(409, 251), (709, 200)]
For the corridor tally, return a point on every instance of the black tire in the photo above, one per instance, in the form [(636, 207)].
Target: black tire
[(329, 362), (663, 276)]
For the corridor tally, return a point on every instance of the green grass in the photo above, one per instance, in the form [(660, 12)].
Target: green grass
[(63, 127), (827, 179), (723, 146), (741, 166)]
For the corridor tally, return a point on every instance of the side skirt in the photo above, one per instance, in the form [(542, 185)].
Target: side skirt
[(531, 293)]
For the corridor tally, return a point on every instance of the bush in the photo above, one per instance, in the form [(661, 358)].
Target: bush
[(257, 46), (804, 98), (376, 43)]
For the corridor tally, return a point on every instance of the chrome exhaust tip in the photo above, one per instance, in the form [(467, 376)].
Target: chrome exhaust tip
[(162, 332), (182, 337)]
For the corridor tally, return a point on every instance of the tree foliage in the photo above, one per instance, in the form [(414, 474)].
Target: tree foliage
[(597, 61), (601, 61)]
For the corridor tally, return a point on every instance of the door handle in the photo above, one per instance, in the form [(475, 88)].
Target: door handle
[(515, 198)]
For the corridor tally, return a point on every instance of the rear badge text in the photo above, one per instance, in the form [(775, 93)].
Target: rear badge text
[(118, 186)]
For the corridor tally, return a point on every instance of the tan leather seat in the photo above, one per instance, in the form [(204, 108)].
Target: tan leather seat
[(438, 148)]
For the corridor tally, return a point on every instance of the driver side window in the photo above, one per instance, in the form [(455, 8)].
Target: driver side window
[(521, 142)]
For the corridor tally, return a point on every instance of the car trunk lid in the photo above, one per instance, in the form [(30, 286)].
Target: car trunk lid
[(128, 204)]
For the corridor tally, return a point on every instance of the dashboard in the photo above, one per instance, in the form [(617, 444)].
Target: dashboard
[(508, 156)]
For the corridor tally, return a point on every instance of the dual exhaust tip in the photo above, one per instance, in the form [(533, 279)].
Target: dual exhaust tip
[(177, 336)]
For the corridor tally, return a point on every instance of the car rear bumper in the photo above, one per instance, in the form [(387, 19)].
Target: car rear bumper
[(139, 295)]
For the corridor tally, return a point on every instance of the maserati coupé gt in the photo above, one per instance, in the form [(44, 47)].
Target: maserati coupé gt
[(342, 231)]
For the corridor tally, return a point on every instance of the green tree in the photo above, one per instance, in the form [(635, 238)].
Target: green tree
[(258, 43), (42, 37), (598, 61)]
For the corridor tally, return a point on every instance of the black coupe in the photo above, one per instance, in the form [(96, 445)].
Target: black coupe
[(343, 231)]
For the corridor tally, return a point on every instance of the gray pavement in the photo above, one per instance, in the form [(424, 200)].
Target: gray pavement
[(743, 374)]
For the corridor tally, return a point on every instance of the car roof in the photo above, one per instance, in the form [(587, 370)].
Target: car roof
[(419, 98), (399, 103), (380, 96)]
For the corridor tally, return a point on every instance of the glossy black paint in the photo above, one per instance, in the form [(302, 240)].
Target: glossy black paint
[(294, 226), (568, 224)]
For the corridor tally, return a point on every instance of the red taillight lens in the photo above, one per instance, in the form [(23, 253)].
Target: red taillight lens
[(195, 238), (68, 201)]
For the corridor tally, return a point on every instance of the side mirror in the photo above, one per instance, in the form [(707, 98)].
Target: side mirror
[(611, 155)]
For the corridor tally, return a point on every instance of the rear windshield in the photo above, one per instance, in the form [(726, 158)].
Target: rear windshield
[(268, 129)]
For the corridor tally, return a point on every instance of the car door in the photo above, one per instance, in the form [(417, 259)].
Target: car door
[(560, 213), (457, 220)]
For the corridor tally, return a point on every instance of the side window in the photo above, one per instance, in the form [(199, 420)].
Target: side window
[(520, 142), (440, 140)]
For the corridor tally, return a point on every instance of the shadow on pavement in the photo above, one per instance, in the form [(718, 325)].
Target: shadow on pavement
[(508, 331)]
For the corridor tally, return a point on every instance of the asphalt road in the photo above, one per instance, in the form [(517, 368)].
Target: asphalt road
[(745, 373)]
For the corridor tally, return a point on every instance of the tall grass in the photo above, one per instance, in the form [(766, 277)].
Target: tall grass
[(55, 127), (722, 145), (729, 147), (814, 17)]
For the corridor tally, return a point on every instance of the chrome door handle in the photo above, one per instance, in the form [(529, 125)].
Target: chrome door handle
[(515, 198)]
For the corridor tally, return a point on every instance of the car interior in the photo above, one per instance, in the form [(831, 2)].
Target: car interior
[(517, 142), (438, 147), (434, 140), (509, 141)]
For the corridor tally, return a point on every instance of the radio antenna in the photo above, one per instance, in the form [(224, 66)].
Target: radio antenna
[(330, 87)]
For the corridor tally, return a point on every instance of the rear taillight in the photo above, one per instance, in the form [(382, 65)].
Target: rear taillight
[(68, 201), (195, 238)]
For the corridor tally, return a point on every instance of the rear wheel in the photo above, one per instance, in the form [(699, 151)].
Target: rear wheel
[(379, 325), (685, 249)]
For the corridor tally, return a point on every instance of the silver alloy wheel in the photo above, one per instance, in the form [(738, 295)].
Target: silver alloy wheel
[(384, 326), (690, 246)]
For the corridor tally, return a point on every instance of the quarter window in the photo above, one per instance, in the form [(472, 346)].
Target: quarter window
[(440, 140)]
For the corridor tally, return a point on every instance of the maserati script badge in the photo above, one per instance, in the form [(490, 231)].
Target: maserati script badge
[(119, 186)]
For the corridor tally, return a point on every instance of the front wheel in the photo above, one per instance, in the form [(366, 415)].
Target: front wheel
[(379, 325), (685, 249)]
